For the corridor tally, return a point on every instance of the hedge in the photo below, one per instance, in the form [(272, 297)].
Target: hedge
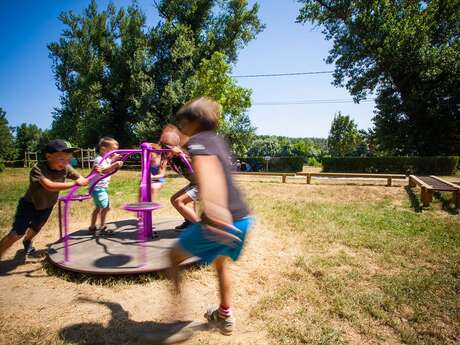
[(436, 165), (275, 164)]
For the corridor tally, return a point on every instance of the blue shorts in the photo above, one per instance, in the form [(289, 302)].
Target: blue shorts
[(100, 197), (161, 180), (195, 241)]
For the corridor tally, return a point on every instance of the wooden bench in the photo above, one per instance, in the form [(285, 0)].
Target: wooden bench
[(388, 177), (283, 175), (430, 184)]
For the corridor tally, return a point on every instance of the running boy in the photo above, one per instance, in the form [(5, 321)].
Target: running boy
[(47, 178), (100, 191), (225, 220)]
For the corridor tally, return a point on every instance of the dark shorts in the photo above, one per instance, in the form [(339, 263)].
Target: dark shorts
[(27, 216)]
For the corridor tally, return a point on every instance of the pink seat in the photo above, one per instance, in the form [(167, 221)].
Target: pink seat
[(141, 206)]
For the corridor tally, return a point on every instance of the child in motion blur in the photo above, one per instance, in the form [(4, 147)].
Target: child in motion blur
[(47, 178), (171, 139), (225, 220), (100, 190)]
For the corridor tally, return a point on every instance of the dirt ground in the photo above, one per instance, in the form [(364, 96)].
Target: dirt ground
[(38, 305)]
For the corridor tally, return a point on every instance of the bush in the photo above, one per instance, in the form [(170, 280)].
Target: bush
[(439, 165), (275, 164), (2, 166), (313, 162)]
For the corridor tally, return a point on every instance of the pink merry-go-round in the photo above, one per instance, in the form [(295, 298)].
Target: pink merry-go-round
[(137, 245)]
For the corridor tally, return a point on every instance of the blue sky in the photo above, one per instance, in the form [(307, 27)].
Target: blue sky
[(28, 92)]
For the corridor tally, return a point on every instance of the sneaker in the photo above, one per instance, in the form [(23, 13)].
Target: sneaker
[(183, 225), (225, 325), (28, 247)]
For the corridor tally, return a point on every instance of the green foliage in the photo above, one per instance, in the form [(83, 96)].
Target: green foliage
[(344, 138), (408, 53), (442, 165), (100, 66), (313, 162), (277, 146), (29, 137), (7, 149), (121, 78), (213, 79), (276, 164)]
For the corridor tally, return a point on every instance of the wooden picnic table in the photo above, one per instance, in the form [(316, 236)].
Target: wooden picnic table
[(430, 184)]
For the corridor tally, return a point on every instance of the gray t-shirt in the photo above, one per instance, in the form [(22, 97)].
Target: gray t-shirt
[(37, 194), (209, 144)]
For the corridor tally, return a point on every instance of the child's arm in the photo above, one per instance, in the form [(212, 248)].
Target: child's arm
[(214, 195), (53, 186), (74, 175), (112, 167)]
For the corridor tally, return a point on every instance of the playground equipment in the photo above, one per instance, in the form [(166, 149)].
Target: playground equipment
[(60, 252), (30, 158), (87, 157)]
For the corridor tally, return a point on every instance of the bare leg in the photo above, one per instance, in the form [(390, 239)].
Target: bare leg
[(7, 242), (223, 276), (156, 187), (180, 204), (30, 234), (176, 255), (104, 212), (94, 217)]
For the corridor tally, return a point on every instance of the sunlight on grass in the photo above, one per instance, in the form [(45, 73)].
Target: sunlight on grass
[(368, 268)]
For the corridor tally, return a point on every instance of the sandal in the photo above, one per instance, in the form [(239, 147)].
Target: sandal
[(92, 229), (104, 231)]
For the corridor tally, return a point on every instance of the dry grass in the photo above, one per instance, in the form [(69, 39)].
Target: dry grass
[(325, 264)]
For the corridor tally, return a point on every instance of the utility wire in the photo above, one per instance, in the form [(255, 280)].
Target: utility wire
[(312, 101), (281, 74)]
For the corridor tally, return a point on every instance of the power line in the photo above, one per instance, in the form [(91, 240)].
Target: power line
[(312, 101), (281, 74)]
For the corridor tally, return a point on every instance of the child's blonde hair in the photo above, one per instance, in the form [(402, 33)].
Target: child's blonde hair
[(106, 142), (203, 110)]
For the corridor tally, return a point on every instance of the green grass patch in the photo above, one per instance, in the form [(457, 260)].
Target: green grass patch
[(376, 270)]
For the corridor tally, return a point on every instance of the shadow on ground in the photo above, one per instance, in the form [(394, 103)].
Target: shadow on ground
[(121, 329), (20, 258)]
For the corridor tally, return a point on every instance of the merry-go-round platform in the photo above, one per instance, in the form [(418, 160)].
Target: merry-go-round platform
[(120, 252)]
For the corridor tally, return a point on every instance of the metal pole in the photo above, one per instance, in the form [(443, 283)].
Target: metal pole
[(146, 187), (60, 219)]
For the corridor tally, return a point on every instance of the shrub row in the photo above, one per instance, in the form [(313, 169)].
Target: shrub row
[(275, 164), (436, 165)]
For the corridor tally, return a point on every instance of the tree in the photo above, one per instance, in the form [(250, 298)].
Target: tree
[(213, 79), (29, 137), (100, 66), (120, 78), (189, 33), (344, 138), (278, 146), (265, 146), (408, 53), (7, 149)]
